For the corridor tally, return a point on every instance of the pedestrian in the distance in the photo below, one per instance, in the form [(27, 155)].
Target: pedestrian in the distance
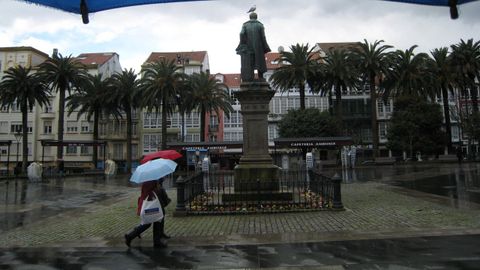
[(149, 190)]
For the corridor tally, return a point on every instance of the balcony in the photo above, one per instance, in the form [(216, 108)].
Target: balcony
[(46, 137), (47, 115)]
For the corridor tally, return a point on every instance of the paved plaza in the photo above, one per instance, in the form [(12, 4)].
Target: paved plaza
[(391, 213)]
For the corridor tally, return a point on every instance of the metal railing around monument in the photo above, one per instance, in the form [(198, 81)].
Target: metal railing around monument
[(216, 193)]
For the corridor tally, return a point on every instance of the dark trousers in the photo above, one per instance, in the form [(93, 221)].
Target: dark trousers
[(158, 228)]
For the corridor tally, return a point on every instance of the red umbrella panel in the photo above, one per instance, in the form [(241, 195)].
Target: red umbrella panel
[(165, 154)]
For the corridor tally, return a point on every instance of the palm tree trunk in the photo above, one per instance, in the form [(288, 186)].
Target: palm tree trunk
[(301, 89), (330, 103), (164, 125), (129, 139), (373, 100), (61, 116), (446, 114), (24, 137), (338, 105), (96, 117), (202, 124), (474, 96)]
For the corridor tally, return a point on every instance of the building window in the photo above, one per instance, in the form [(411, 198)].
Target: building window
[(134, 151), (47, 127), (86, 127), (72, 127), (17, 127), (382, 130), (213, 121), (192, 137), (192, 120), (85, 150), (118, 151), (272, 132), (103, 129), (3, 126), (233, 136), (151, 142), (455, 134), (134, 129), (380, 109), (234, 121), (71, 150), (152, 120)]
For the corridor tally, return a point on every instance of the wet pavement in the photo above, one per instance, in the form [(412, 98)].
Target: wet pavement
[(415, 216), (25, 202), (447, 252)]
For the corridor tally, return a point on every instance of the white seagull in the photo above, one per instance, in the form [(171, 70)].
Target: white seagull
[(252, 9)]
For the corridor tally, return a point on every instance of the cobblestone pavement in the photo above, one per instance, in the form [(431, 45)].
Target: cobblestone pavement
[(374, 210)]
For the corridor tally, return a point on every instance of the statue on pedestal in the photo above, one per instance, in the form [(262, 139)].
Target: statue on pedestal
[(252, 49)]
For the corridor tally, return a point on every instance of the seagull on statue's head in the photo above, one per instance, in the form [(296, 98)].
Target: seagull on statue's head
[(252, 9)]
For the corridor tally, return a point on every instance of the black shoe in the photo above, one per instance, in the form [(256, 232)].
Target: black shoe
[(165, 236)]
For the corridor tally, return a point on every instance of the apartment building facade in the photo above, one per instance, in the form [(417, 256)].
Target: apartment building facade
[(42, 121)]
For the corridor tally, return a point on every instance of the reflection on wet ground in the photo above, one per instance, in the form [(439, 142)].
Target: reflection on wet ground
[(445, 252), (459, 183), (25, 202)]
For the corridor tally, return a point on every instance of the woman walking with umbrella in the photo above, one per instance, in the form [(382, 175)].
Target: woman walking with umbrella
[(150, 176)]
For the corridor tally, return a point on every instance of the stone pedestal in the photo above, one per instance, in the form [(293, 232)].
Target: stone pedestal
[(255, 171)]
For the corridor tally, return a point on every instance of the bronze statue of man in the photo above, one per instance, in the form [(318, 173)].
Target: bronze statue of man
[(252, 49)]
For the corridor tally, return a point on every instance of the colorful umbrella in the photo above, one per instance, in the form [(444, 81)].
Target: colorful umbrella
[(166, 154), (153, 170)]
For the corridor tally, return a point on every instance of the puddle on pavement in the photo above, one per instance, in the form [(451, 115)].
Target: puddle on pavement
[(23, 202), (461, 186)]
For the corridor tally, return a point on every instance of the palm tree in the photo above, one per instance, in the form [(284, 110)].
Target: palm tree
[(298, 68), (372, 61), (22, 87), (338, 73), (466, 60), (90, 101), (160, 85), (184, 106), (208, 95), (63, 74), (123, 90), (407, 75), (442, 77)]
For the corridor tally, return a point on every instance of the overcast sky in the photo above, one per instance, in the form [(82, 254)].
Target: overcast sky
[(135, 32)]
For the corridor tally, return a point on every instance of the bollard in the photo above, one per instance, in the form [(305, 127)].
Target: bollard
[(337, 192), (180, 209)]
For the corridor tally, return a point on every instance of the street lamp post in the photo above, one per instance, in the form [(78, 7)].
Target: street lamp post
[(18, 136)]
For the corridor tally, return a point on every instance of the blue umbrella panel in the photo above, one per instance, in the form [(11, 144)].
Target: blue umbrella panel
[(84, 7), (450, 3)]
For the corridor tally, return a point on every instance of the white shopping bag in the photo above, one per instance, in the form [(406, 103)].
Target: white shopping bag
[(151, 211)]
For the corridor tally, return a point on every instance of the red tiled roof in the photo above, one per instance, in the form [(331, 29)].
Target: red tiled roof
[(96, 59), (232, 80), (270, 59), (196, 56)]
